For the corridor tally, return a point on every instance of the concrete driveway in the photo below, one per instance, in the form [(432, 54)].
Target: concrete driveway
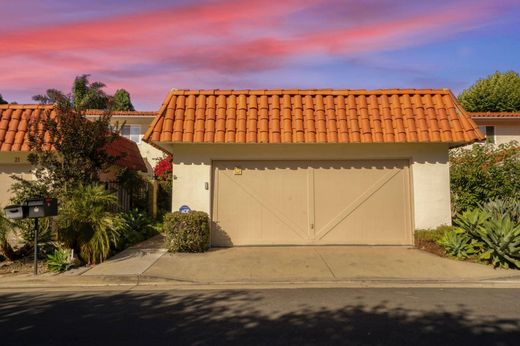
[(318, 264)]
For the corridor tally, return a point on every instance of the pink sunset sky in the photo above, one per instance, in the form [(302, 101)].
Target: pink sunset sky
[(149, 47)]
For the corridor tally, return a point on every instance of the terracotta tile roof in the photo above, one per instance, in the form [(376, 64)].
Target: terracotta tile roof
[(96, 112), (515, 115), (14, 122), (312, 116)]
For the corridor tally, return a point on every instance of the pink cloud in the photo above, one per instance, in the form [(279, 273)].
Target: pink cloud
[(207, 41)]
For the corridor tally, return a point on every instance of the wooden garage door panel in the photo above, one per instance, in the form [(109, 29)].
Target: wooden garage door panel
[(339, 184), (265, 204), (380, 217), (311, 202)]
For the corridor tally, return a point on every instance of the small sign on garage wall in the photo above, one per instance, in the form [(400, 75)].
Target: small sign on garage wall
[(237, 171), (184, 209)]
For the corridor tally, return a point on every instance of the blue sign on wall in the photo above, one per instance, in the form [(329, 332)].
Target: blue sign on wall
[(184, 209)]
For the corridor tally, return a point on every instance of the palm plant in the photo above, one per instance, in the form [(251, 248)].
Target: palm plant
[(86, 224)]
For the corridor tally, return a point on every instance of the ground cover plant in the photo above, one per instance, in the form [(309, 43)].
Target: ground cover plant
[(427, 239)]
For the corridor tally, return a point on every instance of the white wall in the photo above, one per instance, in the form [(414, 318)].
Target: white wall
[(430, 170), (507, 133), (506, 130), (6, 171)]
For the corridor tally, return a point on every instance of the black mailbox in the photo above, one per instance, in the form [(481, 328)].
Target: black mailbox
[(15, 212), (42, 207)]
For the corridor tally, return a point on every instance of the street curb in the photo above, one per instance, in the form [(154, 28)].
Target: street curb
[(141, 282)]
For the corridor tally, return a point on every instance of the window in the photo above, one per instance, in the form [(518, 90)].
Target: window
[(132, 132), (489, 131)]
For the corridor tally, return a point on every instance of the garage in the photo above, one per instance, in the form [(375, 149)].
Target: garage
[(311, 203), (310, 166)]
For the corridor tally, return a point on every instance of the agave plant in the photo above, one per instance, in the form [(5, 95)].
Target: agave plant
[(472, 220), (501, 238), (86, 223), (58, 261), (502, 207), (458, 244)]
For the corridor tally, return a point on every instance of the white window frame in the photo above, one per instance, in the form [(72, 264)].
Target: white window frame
[(134, 132)]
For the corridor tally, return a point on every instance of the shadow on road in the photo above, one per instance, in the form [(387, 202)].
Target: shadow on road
[(236, 317)]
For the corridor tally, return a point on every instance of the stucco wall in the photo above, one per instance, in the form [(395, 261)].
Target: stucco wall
[(506, 130), (151, 155), (507, 133), (430, 171), (6, 171)]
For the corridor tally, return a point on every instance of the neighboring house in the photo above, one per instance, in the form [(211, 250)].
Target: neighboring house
[(135, 124), (277, 167), (499, 127), (14, 146)]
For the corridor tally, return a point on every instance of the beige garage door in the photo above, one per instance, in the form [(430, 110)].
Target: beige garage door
[(311, 203)]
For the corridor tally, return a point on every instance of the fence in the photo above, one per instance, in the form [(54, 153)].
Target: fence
[(141, 197)]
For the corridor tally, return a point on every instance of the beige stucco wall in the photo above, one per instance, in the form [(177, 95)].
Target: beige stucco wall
[(21, 170), (507, 133), (506, 130), (429, 169)]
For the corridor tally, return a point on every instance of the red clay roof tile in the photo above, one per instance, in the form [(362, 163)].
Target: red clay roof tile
[(14, 129), (312, 116)]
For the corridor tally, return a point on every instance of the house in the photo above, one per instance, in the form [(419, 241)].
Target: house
[(499, 127), (134, 123), (14, 145), (299, 167)]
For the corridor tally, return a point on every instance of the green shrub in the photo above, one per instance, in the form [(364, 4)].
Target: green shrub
[(85, 223), (187, 232), (21, 191), (136, 226), (58, 261), (483, 173)]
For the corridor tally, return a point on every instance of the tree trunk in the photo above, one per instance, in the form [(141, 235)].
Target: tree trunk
[(7, 251)]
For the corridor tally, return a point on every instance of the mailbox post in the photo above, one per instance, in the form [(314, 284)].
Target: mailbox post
[(34, 208)]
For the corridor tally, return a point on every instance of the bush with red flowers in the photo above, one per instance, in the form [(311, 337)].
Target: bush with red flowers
[(163, 169), (163, 173)]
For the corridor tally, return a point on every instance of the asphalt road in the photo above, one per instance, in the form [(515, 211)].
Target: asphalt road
[(400, 316)]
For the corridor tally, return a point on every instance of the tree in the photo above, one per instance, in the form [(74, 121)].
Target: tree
[(2, 101), (51, 96), (88, 95), (498, 92), (84, 95), (67, 149), (121, 101)]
